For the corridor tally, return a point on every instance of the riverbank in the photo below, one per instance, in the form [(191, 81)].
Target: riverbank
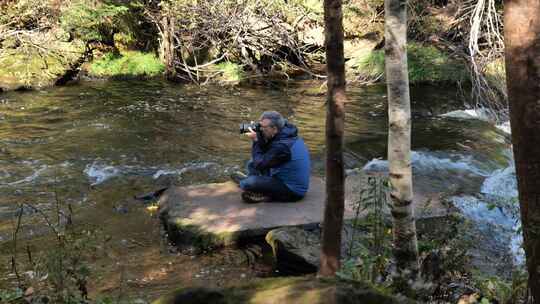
[(54, 43), (19, 71)]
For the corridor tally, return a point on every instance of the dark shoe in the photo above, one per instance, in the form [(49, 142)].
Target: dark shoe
[(254, 197), (237, 176)]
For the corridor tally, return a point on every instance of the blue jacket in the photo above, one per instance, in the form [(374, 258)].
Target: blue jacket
[(285, 157)]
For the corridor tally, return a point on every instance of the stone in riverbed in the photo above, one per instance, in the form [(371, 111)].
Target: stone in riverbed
[(296, 251), (212, 215)]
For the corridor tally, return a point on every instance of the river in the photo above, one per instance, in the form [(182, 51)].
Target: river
[(95, 145)]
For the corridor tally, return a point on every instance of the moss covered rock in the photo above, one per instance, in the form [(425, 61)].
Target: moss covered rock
[(298, 290), (39, 65)]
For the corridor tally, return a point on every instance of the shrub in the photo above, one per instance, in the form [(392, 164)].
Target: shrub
[(90, 23), (231, 72), (425, 63)]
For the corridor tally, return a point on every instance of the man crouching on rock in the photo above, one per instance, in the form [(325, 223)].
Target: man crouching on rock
[(279, 168)]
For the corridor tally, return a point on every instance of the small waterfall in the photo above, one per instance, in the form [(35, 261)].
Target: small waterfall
[(493, 203)]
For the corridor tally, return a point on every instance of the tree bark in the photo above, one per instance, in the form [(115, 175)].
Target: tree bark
[(522, 51), (335, 120), (167, 49), (399, 138)]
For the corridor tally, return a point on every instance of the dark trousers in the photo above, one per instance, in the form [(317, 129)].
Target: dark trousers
[(262, 182)]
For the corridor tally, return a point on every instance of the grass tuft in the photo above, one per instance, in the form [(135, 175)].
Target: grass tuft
[(129, 64)]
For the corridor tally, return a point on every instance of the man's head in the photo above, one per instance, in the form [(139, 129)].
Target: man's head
[(271, 123)]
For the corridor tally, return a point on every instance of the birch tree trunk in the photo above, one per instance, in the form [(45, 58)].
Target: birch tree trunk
[(335, 119), (167, 52), (522, 48), (399, 137)]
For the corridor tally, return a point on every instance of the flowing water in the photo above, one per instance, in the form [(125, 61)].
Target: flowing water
[(96, 144)]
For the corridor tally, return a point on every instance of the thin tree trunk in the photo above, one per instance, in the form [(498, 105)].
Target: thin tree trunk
[(335, 118), (167, 50), (522, 48), (399, 137)]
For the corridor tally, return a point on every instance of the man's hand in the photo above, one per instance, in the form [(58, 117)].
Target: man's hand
[(251, 134)]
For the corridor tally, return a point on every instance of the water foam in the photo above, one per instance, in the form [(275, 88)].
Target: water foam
[(502, 183), (505, 127), (467, 114), (497, 206), (98, 172), (29, 178), (430, 162), (186, 168)]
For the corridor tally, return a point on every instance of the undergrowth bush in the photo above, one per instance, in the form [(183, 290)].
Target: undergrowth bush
[(231, 72), (425, 63), (92, 22)]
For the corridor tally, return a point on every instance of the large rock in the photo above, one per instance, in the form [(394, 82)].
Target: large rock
[(211, 215), (55, 61), (300, 290), (296, 251)]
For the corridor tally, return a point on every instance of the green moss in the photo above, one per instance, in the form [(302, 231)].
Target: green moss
[(183, 232), (369, 64), (300, 290), (425, 63), (495, 73), (128, 64), (231, 72), (31, 68)]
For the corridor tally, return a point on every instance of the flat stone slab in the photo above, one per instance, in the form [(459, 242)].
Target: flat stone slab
[(211, 215), (217, 213)]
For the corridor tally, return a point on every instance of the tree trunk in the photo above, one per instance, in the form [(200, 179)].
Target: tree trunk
[(167, 50), (335, 119), (522, 48), (399, 137)]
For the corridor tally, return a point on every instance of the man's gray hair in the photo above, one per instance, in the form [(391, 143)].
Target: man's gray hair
[(275, 118)]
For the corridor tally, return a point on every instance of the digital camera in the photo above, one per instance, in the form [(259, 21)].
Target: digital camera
[(255, 126)]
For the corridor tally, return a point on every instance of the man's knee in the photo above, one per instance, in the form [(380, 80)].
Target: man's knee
[(249, 183)]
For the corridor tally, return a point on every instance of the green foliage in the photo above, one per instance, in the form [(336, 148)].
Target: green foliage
[(66, 271), (231, 72), (130, 63), (311, 6), (370, 65), (28, 14), (501, 291), (428, 64), (124, 41), (371, 251), (88, 22), (58, 271), (9, 296), (425, 64)]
